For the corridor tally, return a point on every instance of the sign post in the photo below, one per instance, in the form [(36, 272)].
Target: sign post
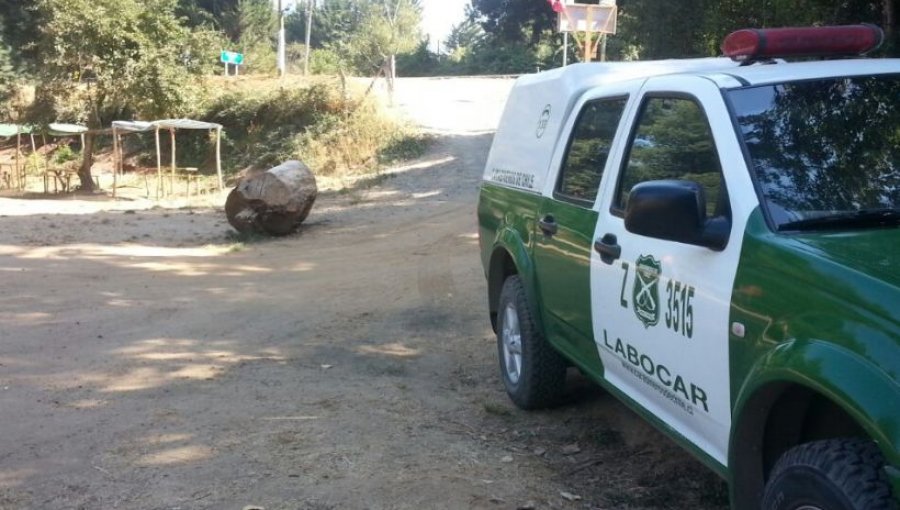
[(585, 20), (231, 57)]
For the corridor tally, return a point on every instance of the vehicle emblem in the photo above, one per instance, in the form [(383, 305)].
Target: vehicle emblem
[(646, 290), (543, 121)]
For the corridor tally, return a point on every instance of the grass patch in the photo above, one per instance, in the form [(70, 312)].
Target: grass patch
[(240, 240), (496, 409), (387, 368), (335, 132), (405, 146)]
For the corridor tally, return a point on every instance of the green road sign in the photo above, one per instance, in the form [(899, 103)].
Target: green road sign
[(231, 57)]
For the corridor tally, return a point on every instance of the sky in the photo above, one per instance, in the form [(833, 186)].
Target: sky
[(439, 16)]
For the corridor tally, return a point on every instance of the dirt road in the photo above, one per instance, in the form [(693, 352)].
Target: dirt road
[(149, 360)]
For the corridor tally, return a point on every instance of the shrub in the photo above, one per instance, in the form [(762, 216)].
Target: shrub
[(312, 123), (326, 61)]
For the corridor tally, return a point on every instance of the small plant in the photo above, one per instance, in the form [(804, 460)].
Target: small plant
[(496, 409), (65, 158), (405, 145), (329, 129), (34, 164), (240, 240)]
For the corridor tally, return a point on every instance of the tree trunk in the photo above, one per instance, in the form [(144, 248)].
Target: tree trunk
[(87, 162), (273, 202), (391, 75), (890, 18)]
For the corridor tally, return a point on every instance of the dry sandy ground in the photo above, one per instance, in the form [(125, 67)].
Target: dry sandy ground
[(148, 360)]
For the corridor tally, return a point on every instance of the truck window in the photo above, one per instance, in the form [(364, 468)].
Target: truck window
[(825, 153), (673, 141), (592, 138)]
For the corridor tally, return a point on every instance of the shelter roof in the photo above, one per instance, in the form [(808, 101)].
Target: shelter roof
[(185, 124), (138, 126), (7, 130), (135, 126), (58, 129)]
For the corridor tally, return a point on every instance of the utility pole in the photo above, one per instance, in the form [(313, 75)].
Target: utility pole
[(309, 15), (282, 69)]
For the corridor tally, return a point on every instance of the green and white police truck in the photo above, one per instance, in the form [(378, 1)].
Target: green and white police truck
[(717, 243)]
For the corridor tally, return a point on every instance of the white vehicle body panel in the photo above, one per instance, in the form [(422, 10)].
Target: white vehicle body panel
[(700, 410), (539, 105)]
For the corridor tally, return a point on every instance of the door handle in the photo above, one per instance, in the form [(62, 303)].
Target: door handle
[(608, 248), (548, 225)]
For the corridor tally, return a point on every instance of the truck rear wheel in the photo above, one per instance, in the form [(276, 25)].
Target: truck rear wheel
[(835, 474), (533, 372)]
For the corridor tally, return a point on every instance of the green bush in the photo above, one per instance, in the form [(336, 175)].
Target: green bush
[(326, 61), (65, 154), (312, 123)]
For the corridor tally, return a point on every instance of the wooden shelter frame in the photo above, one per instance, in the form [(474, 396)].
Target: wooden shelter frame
[(19, 170), (172, 125)]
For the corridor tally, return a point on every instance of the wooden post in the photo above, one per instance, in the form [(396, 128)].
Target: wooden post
[(121, 168), (18, 148), (309, 15), (172, 172), (115, 160), (158, 166), (588, 37), (219, 158)]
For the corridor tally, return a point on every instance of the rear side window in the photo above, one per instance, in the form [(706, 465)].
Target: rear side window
[(673, 141), (585, 160)]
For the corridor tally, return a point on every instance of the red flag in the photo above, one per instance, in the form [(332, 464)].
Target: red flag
[(556, 5)]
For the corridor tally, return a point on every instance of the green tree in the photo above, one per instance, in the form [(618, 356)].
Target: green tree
[(654, 30), (205, 13), (20, 24), (8, 79), (515, 21), (332, 22), (463, 36), (387, 28), (108, 58), (251, 25)]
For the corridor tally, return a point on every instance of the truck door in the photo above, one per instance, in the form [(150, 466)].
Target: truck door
[(661, 308), (566, 222)]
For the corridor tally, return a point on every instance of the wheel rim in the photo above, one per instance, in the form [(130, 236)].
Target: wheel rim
[(512, 344)]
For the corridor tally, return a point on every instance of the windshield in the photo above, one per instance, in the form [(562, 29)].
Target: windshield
[(824, 150)]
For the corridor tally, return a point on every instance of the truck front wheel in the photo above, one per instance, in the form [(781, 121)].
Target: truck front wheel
[(835, 474), (533, 372)]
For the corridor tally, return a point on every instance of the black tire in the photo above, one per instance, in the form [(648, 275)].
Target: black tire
[(542, 371), (835, 474)]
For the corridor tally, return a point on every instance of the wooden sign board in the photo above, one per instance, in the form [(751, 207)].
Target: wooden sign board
[(595, 19)]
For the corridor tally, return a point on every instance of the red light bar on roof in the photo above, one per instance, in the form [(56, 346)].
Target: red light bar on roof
[(752, 44)]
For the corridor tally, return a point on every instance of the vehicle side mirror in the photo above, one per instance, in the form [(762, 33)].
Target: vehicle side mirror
[(674, 210)]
